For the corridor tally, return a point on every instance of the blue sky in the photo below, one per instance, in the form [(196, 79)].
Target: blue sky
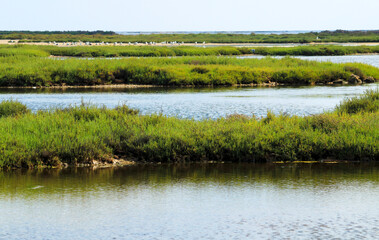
[(195, 15)]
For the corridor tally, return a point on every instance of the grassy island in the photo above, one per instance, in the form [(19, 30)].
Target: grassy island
[(86, 134), (21, 71)]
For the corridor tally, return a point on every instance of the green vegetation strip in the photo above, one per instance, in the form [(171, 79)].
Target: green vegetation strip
[(118, 51), (164, 51), (325, 36), (189, 71), (82, 134)]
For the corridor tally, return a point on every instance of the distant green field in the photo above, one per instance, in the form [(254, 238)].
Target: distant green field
[(325, 36)]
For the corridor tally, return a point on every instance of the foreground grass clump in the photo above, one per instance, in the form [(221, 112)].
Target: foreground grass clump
[(365, 103), (12, 108), (192, 71), (85, 133)]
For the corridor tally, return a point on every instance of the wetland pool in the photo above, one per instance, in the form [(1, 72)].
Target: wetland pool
[(193, 201), (196, 103)]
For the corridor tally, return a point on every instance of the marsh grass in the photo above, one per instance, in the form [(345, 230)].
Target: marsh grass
[(164, 51), (317, 50), (369, 102), (194, 71), (80, 134), (118, 51), (12, 108)]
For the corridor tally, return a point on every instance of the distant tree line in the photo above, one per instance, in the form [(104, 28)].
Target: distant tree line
[(109, 36)]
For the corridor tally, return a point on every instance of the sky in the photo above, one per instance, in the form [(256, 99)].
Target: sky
[(189, 15)]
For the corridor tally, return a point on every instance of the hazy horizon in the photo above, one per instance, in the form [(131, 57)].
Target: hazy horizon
[(181, 31)]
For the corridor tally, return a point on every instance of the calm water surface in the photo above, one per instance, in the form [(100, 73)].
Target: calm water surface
[(371, 59), (197, 103), (217, 201)]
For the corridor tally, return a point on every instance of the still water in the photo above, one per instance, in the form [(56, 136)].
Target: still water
[(197, 201), (197, 103), (371, 59)]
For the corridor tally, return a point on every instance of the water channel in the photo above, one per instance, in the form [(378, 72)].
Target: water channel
[(195, 201), (205, 103)]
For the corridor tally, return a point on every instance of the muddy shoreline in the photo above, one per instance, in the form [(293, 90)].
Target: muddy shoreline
[(271, 84), (127, 162)]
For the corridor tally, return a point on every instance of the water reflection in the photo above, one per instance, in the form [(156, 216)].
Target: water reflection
[(83, 179), (194, 201)]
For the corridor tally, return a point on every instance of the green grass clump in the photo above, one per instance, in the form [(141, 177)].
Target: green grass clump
[(12, 108), (81, 134), (190, 71), (369, 102)]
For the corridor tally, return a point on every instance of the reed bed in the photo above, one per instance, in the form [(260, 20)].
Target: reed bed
[(164, 51), (82, 134), (184, 71)]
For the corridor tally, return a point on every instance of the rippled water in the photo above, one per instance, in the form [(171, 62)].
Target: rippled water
[(372, 59), (216, 201), (198, 103)]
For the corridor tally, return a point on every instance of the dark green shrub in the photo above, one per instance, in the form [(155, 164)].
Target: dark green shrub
[(369, 102), (355, 71), (124, 109), (200, 70), (12, 108)]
